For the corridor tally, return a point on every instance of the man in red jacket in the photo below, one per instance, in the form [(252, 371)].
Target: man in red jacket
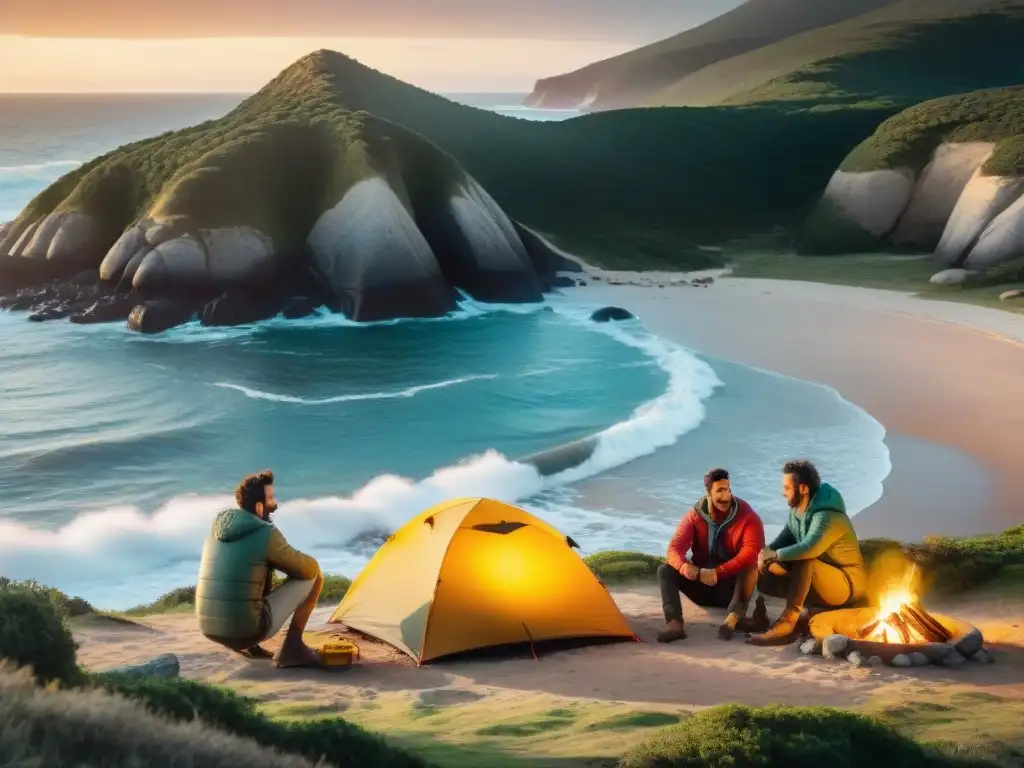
[(723, 536)]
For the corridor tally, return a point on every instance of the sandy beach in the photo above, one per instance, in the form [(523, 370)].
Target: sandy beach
[(942, 377)]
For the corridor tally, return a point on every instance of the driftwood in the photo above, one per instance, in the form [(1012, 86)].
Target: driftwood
[(162, 666)]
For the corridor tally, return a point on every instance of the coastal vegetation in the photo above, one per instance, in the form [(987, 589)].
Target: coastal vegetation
[(618, 188), (910, 138)]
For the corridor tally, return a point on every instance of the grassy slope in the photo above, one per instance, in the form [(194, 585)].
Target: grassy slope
[(626, 79), (901, 54), (909, 138)]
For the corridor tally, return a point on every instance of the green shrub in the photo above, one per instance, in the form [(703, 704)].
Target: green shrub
[(34, 632), (70, 606), (951, 565), (341, 743), (617, 567), (75, 728), (735, 736)]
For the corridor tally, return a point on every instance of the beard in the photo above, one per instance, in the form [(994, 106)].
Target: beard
[(269, 509), (797, 500)]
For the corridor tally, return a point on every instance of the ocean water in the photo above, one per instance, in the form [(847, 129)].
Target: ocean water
[(117, 449)]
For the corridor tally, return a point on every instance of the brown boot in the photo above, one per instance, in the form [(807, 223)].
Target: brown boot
[(728, 627), (758, 622), (782, 632), (673, 631)]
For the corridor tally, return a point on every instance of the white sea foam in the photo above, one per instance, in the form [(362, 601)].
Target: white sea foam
[(97, 548), (400, 393)]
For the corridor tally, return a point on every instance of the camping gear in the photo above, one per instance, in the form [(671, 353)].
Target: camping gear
[(339, 653), (474, 573)]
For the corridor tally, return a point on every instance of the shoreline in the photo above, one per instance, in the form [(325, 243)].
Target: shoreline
[(943, 378)]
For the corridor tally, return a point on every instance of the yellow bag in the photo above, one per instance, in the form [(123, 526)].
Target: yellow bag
[(339, 653)]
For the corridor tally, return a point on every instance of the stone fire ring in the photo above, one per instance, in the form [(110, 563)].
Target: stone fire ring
[(830, 629)]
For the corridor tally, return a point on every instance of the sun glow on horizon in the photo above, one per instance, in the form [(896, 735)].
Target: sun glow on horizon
[(245, 64)]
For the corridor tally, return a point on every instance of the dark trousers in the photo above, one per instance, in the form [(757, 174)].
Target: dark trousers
[(807, 582), (733, 594)]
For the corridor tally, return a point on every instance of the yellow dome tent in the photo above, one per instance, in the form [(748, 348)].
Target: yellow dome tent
[(474, 573)]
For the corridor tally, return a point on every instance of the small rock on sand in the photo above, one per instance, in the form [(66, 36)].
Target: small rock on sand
[(954, 659), (856, 658), (982, 657), (970, 643), (834, 646), (919, 660), (810, 647), (875, 661), (901, 660)]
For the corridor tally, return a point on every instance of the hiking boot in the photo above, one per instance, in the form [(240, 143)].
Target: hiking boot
[(728, 627), (758, 622), (674, 631), (258, 652), (782, 632)]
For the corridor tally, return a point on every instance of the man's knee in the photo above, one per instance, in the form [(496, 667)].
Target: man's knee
[(666, 573)]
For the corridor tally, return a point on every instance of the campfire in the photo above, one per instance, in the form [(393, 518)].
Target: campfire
[(898, 631), (902, 619)]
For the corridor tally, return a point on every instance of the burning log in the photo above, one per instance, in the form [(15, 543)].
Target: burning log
[(934, 631), (910, 623)]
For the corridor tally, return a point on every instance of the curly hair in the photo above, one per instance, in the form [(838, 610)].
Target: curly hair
[(804, 473), (253, 490), (713, 476)]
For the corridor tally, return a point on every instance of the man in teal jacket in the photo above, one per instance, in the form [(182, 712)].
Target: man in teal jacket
[(816, 559), (235, 604)]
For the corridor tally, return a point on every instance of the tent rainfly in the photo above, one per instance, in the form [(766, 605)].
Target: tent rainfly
[(473, 573)]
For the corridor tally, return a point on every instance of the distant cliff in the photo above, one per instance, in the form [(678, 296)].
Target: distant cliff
[(632, 78)]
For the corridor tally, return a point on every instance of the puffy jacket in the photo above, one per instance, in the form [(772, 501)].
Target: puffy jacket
[(239, 556)]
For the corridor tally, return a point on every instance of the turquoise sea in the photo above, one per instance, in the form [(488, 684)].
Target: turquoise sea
[(116, 449)]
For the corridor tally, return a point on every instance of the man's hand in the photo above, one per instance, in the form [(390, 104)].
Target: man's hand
[(708, 577), (690, 571), (766, 558)]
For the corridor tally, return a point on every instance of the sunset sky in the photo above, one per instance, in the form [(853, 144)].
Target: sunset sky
[(65, 46)]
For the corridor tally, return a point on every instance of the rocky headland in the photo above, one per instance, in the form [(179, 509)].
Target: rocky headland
[(289, 203), (945, 176)]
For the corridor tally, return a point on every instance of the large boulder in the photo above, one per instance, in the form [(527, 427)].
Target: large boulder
[(858, 210), (477, 246), (1001, 241), (373, 258), (163, 260), (937, 192), (160, 315), (984, 198)]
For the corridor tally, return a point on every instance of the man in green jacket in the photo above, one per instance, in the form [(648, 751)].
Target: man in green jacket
[(234, 601), (815, 560)]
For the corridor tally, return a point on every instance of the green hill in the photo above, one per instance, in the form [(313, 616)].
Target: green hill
[(636, 188), (631, 78), (901, 54)]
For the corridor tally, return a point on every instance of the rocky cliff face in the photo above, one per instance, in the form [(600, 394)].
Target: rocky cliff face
[(251, 216)]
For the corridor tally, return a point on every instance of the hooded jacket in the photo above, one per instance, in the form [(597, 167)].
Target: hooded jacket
[(824, 532), (729, 547), (239, 555)]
